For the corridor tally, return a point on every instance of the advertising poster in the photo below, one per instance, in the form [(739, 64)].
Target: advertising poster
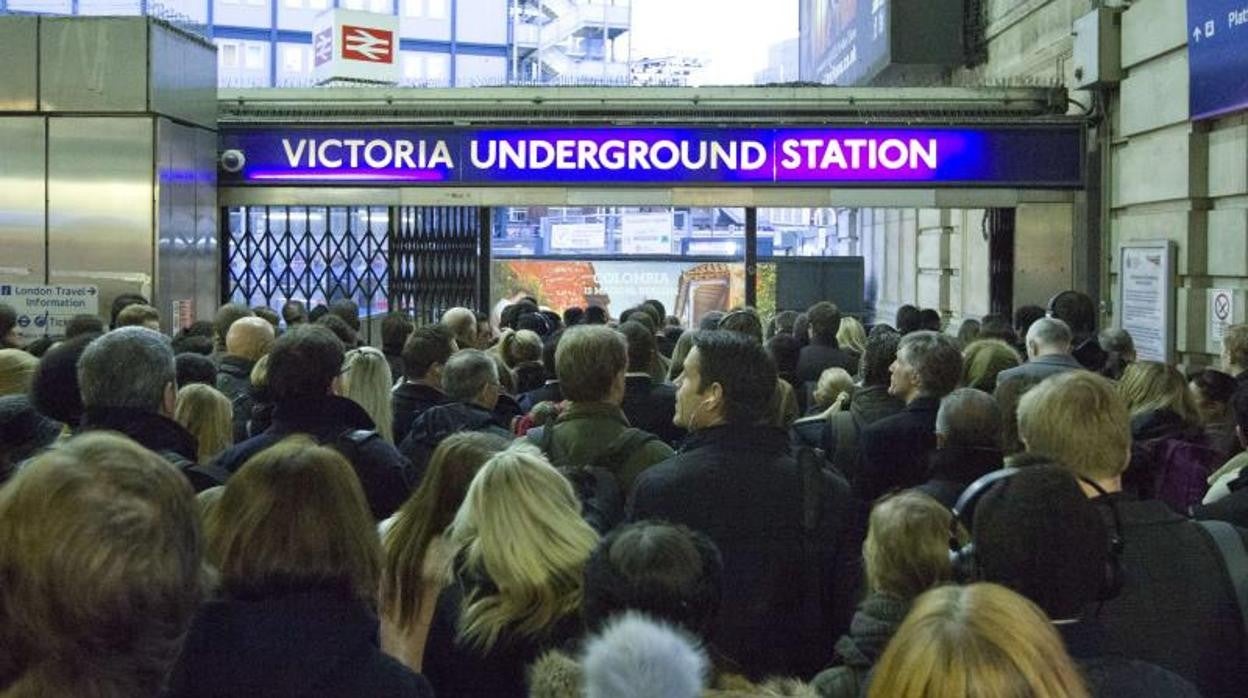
[(1145, 289)]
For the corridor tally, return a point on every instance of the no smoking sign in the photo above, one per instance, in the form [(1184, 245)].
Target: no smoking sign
[(1221, 315)]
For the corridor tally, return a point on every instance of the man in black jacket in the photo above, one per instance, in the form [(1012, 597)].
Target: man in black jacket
[(895, 450), (305, 365), (968, 444), (127, 379), (470, 380), (823, 352), (648, 405), (247, 340), (788, 589), (396, 327), (424, 356), (1177, 608)]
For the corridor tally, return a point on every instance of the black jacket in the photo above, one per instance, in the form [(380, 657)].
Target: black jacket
[(894, 451), (840, 435), (650, 407), (875, 622), (437, 423), (817, 357), (740, 486), (462, 671), (334, 421), (409, 401), (1177, 608), (166, 437), (955, 467), (1112, 676), (550, 392), (309, 644), (1233, 508), (395, 360), (234, 381)]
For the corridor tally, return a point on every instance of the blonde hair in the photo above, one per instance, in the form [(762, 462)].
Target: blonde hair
[(209, 416), (834, 386), (260, 372), (1235, 347), (520, 526), (907, 547), (294, 517), (366, 381), (517, 347), (1148, 386), (1078, 419), (977, 640), (17, 370), (852, 335), (984, 359)]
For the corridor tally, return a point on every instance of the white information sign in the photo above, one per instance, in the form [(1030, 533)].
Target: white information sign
[(578, 236), (45, 310), (1145, 298), (646, 233), (1221, 315)]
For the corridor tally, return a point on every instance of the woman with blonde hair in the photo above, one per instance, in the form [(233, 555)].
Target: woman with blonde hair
[(207, 413), (299, 559), (852, 337), (417, 555), (366, 381), (977, 640), (983, 360), (522, 547), (17, 370), (906, 553), (521, 351)]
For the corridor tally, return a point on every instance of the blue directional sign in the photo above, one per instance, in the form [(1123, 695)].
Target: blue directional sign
[(1217, 53)]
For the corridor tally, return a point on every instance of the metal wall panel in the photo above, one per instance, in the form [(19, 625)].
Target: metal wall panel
[(184, 77), (100, 199), (97, 64), (22, 189), (19, 54), (175, 216), (207, 256)]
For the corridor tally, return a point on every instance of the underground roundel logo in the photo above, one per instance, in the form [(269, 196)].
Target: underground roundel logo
[(367, 44)]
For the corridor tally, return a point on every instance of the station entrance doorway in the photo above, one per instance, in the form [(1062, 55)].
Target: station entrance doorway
[(705, 199)]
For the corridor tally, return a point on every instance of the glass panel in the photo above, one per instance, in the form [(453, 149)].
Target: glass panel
[(621, 231)]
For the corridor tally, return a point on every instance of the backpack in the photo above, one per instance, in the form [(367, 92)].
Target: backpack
[(595, 483), (1180, 471)]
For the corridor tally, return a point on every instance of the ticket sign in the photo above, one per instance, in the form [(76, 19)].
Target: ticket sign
[(1217, 34), (45, 310), (1042, 157)]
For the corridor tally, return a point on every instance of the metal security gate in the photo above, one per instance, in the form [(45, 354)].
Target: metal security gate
[(420, 259)]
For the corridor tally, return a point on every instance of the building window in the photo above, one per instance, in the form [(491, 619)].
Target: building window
[(412, 68), (292, 59), (436, 9), (381, 6), (254, 57), (229, 54), (258, 3), (435, 68), (353, 4)]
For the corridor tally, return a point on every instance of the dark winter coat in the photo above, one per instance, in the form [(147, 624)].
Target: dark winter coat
[(783, 596), (875, 622), (409, 401), (345, 426), (895, 450), (315, 644), (435, 424), (650, 407), (955, 467), (234, 381), (1113, 676), (154, 432)]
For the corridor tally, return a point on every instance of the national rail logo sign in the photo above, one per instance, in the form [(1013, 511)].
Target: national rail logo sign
[(367, 44)]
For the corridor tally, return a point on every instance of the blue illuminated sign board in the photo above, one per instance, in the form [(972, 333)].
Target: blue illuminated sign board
[(845, 156), (1217, 52)]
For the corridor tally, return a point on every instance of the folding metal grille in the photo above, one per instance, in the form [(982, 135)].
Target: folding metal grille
[(436, 259), (317, 254)]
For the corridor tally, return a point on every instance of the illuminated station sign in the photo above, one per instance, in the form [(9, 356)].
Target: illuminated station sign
[(843, 156)]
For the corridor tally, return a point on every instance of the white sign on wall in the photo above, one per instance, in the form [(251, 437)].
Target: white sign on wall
[(1146, 298), (45, 310), (578, 236), (354, 45), (1221, 314), (646, 233)]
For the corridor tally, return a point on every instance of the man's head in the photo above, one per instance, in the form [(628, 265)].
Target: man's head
[(340, 328), (1037, 533), (879, 355), (462, 324), (348, 311), (825, 321), (139, 316), (425, 354), (1048, 336), (225, 317), (120, 303), (596, 315), (908, 319), (930, 320), (249, 338), (294, 312), (129, 367), (591, 362), (928, 364), (640, 315), (395, 327), (101, 550), (304, 364), (1078, 419), (471, 376), (83, 324), (1024, 316), (968, 418), (1235, 349), (1118, 342), (728, 379), (1077, 310), (642, 346), (744, 321)]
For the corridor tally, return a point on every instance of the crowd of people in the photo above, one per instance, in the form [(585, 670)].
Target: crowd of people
[(564, 504)]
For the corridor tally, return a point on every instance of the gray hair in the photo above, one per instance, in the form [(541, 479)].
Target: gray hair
[(128, 367), (935, 357), (969, 417), (1050, 333), (1116, 339), (466, 373)]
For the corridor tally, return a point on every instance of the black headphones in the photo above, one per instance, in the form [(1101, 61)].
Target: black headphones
[(962, 558)]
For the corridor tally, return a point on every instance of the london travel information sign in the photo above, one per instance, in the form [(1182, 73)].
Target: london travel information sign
[(842, 156)]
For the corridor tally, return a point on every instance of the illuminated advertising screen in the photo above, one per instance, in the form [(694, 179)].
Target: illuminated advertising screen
[(843, 42)]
